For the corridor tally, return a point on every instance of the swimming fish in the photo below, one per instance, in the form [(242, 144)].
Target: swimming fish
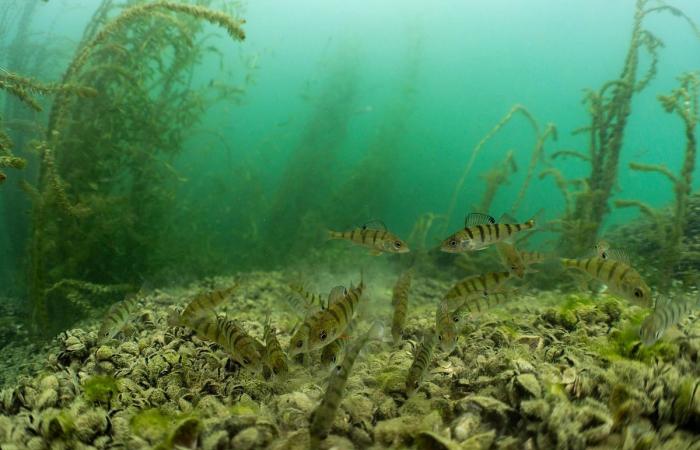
[(601, 249), (117, 317), (235, 341), (511, 258), (310, 299), (445, 327), (333, 321), (480, 303), (206, 302), (400, 302), (275, 359), (325, 325), (421, 362), (376, 238), (480, 231), (323, 416), (476, 284), (330, 353), (618, 275), (664, 316)]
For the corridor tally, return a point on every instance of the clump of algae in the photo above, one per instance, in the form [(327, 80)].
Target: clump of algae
[(100, 389), (166, 431)]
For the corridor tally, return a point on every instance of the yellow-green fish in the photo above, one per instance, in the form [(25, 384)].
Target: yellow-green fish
[(206, 302), (421, 362), (480, 231), (117, 317), (664, 316), (331, 352), (476, 285), (235, 341), (325, 325), (323, 416), (310, 299), (618, 275), (377, 239), (275, 359), (400, 302), (511, 258), (445, 328), (334, 320), (480, 303)]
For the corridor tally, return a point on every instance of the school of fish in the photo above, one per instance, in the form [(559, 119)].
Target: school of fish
[(327, 322)]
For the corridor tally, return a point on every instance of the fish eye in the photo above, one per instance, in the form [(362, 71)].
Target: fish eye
[(453, 243), (397, 244), (638, 293), (300, 343), (455, 319), (323, 335), (246, 361)]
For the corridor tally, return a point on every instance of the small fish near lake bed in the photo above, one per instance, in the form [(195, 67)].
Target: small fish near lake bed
[(480, 231), (373, 236)]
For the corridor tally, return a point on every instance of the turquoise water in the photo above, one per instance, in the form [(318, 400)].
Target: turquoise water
[(414, 84)]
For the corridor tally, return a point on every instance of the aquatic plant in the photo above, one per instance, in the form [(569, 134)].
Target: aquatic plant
[(683, 101), (610, 108), (536, 156), (105, 181)]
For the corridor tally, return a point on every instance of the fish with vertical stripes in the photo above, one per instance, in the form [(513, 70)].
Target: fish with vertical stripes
[(206, 302), (378, 239), (243, 348), (476, 285), (422, 359), (620, 278), (445, 327), (333, 321), (323, 416), (117, 317), (326, 325), (480, 303), (665, 315), (399, 301), (480, 231), (274, 357)]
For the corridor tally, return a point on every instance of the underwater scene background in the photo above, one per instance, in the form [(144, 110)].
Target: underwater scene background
[(326, 224)]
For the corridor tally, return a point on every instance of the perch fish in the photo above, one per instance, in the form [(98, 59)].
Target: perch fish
[(480, 231)]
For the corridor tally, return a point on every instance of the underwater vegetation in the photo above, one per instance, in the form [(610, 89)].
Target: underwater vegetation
[(481, 336)]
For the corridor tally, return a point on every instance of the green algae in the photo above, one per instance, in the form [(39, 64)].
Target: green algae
[(164, 430), (100, 389)]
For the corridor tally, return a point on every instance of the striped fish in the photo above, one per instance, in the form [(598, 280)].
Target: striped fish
[(530, 258), (310, 300), (331, 352), (275, 359), (117, 317), (377, 239), (324, 326), (480, 231), (480, 303), (511, 258), (400, 302), (619, 276), (664, 316), (333, 321), (445, 327), (206, 302), (323, 416), (476, 285), (236, 342), (421, 363)]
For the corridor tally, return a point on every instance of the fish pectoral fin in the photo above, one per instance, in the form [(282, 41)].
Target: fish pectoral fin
[(375, 252)]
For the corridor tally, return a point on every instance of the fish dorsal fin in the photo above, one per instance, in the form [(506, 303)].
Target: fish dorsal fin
[(473, 219), (336, 294), (507, 218), (374, 224), (616, 254)]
